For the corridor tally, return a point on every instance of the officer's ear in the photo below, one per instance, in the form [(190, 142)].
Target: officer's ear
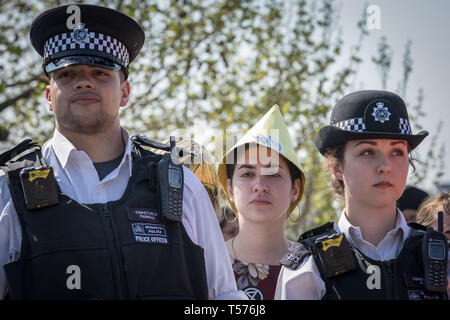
[(124, 87), (336, 169), (125, 90), (48, 97)]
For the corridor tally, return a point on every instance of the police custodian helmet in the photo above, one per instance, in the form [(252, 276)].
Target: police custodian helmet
[(368, 114), (103, 37)]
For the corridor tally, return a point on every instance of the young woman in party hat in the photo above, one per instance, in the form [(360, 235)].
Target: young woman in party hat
[(264, 182), (372, 254)]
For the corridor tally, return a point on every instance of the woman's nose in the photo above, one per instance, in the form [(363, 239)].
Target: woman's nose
[(383, 166), (260, 184)]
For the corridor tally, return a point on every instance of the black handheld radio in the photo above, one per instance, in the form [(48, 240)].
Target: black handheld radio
[(435, 255), (171, 182)]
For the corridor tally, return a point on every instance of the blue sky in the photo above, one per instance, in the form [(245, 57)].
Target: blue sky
[(427, 25)]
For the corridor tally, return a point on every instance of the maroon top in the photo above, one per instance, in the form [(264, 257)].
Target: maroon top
[(258, 281)]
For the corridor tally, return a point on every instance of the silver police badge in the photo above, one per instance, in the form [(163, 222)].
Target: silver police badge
[(381, 113), (80, 34)]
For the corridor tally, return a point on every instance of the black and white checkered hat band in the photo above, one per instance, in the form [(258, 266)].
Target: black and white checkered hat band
[(405, 128), (357, 125), (354, 125), (96, 41)]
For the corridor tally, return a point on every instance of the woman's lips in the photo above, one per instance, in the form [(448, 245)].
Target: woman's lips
[(260, 201), (383, 185)]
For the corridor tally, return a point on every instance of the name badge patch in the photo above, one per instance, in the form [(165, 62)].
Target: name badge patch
[(142, 214), (149, 233)]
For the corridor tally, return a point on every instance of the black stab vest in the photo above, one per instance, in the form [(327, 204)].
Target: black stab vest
[(120, 249), (400, 278)]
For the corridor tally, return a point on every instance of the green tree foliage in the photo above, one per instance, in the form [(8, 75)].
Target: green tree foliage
[(216, 64), (432, 160)]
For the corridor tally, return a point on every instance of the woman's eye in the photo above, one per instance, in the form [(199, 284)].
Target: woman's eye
[(367, 152), (247, 174), (275, 175), (398, 152)]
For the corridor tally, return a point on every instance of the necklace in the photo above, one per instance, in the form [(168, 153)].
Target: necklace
[(290, 244), (232, 248)]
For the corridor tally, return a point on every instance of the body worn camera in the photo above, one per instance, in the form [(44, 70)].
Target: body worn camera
[(435, 255), (171, 182), (336, 255), (39, 187)]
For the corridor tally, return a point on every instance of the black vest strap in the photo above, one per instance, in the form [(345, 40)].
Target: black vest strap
[(25, 154), (295, 256)]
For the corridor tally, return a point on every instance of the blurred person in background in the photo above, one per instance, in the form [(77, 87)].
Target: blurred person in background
[(410, 201)]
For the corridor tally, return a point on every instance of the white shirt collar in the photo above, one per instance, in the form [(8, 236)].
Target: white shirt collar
[(349, 230), (65, 150)]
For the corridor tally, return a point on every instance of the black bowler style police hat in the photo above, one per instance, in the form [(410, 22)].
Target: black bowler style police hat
[(368, 114), (105, 37)]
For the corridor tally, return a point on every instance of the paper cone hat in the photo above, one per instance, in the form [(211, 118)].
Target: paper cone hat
[(269, 131)]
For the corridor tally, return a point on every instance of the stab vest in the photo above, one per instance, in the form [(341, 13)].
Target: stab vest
[(400, 278), (121, 249)]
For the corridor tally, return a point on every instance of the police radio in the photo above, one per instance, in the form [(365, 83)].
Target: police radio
[(171, 182), (435, 255)]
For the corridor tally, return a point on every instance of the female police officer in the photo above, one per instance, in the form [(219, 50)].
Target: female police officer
[(373, 253)]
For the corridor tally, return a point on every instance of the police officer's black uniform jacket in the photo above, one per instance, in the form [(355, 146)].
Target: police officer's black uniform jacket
[(351, 275), (120, 249)]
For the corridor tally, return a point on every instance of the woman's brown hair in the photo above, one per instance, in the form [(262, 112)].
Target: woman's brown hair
[(427, 212)]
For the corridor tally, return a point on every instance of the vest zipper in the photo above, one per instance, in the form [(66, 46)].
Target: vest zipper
[(116, 254), (390, 280)]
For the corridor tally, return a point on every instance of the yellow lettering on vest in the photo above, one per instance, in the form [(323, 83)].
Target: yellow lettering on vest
[(38, 174), (332, 243)]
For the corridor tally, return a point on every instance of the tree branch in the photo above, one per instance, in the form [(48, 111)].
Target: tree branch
[(10, 102)]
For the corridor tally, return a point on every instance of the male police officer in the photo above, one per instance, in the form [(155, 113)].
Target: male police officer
[(81, 219)]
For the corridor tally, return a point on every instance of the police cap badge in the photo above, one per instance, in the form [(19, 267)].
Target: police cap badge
[(103, 37), (368, 114)]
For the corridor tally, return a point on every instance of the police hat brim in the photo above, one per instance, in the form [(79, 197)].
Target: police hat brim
[(98, 19), (331, 136), (57, 64)]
